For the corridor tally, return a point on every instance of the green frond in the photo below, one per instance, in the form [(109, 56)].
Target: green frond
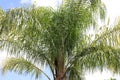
[(20, 65), (74, 73), (2, 13), (102, 57), (108, 36), (97, 57)]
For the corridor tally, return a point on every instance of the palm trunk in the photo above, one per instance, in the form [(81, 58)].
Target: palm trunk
[(60, 76), (60, 63), (60, 70)]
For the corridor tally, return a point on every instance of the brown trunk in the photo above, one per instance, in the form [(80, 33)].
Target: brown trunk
[(60, 68), (60, 64), (60, 76)]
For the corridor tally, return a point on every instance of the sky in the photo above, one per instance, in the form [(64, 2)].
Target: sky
[(113, 12)]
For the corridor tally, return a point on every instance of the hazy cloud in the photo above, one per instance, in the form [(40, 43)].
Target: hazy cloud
[(3, 55), (51, 3), (26, 1)]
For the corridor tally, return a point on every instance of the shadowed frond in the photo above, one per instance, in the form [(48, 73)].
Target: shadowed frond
[(75, 72)]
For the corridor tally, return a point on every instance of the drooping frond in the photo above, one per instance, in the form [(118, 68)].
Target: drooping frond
[(108, 36), (1, 14), (21, 33), (20, 65), (98, 57), (103, 52), (103, 57)]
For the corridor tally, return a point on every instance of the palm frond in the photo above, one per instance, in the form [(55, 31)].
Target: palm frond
[(108, 36), (97, 57), (103, 52), (20, 65), (75, 71)]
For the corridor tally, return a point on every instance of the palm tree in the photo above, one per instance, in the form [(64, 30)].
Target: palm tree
[(58, 39), (112, 79)]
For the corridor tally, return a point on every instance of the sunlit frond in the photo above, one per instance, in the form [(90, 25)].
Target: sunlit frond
[(108, 36), (20, 65)]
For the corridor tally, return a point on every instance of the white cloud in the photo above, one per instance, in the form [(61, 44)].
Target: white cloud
[(112, 9), (3, 55), (45, 2), (104, 75), (26, 1), (50, 3)]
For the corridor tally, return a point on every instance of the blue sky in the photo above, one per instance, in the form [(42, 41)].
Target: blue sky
[(113, 7), (14, 76), (6, 4)]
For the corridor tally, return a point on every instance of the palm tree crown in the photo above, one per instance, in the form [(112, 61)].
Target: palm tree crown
[(56, 38)]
